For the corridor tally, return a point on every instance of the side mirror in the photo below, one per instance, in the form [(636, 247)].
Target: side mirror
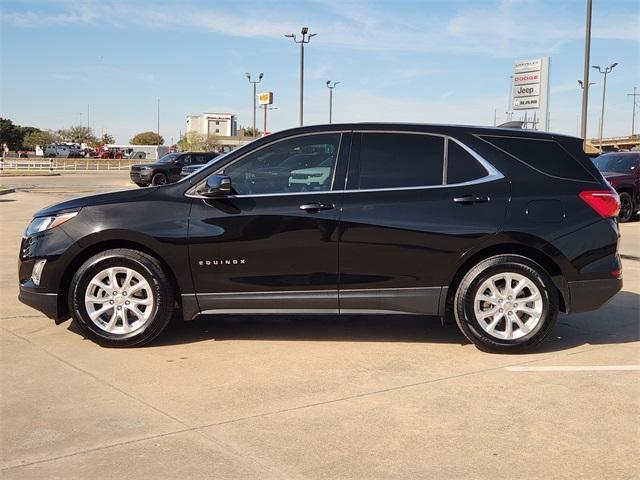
[(216, 185)]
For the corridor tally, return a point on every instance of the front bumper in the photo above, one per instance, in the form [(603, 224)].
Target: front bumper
[(589, 295), (140, 177), (46, 303)]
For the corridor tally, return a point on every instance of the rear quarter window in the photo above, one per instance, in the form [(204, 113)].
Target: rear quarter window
[(545, 155)]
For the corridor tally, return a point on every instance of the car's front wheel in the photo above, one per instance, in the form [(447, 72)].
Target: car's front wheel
[(506, 303), (159, 179), (121, 298)]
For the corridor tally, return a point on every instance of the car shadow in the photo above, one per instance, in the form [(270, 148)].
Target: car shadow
[(617, 322)]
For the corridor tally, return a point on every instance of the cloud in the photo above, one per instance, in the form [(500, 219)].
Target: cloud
[(503, 29)]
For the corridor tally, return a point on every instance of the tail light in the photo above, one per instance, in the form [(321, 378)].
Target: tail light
[(606, 203)]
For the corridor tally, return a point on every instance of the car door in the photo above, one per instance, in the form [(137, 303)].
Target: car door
[(414, 204), (271, 245), (174, 170)]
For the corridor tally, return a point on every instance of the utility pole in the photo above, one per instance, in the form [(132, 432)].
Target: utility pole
[(158, 139), (88, 129), (331, 87), (254, 83), (306, 38), (510, 104), (633, 117), (605, 71), (585, 75)]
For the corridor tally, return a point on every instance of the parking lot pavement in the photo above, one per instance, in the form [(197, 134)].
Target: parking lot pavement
[(314, 397)]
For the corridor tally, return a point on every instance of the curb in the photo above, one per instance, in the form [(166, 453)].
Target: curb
[(630, 257), (30, 175), (4, 191)]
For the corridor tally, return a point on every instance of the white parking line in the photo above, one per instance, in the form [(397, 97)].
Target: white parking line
[(581, 368)]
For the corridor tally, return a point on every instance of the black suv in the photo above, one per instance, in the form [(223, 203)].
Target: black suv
[(168, 168), (499, 229)]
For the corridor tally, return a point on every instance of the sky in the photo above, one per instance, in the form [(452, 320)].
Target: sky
[(406, 61)]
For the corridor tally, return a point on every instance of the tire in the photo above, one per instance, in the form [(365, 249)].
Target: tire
[(626, 208), (159, 179), (146, 311), (538, 316)]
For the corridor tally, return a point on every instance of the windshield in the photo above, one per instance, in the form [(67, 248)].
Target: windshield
[(168, 158), (619, 163)]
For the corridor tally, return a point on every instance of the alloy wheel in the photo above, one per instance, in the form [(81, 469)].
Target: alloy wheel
[(508, 306), (119, 300)]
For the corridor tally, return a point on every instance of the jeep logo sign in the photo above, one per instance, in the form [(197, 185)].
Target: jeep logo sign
[(526, 90)]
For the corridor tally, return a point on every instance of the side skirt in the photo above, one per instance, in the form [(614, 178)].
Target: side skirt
[(419, 301)]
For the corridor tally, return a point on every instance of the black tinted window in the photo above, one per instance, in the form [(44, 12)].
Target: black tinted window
[(544, 155), (299, 164), (389, 160), (461, 166)]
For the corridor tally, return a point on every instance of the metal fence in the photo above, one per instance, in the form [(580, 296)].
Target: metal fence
[(68, 164)]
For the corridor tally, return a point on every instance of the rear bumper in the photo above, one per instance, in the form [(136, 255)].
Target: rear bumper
[(46, 303), (589, 295)]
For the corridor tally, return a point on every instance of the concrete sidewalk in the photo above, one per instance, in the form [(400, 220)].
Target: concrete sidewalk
[(314, 397)]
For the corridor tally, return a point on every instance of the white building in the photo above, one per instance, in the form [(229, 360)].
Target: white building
[(214, 124)]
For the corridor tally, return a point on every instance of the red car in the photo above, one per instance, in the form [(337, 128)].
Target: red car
[(622, 171)]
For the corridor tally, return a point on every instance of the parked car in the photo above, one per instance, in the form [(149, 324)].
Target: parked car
[(168, 168), (622, 171), (61, 150), (112, 153), (497, 229)]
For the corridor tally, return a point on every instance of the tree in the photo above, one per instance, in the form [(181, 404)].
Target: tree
[(249, 132), (39, 138), (147, 138), (103, 140), (10, 133), (191, 142), (77, 134)]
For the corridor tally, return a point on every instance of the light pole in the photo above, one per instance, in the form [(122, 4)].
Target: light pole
[(633, 116), (331, 87), (158, 139), (585, 76), (306, 38), (267, 107), (606, 71), (581, 83), (254, 82)]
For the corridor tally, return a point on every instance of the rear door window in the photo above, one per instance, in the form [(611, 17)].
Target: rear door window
[(397, 160), (461, 166)]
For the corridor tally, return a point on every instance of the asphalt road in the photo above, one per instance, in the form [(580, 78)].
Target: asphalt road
[(312, 397)]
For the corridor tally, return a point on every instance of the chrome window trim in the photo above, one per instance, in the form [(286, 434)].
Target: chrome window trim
[(493, 173), (191, 192)]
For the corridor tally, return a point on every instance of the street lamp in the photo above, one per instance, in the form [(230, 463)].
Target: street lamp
[(331, 87), (306, 37), (254, 82), (605, 71), (581, 83)]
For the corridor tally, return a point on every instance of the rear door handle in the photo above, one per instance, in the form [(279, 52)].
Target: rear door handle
[(316, 207), (471, 199)]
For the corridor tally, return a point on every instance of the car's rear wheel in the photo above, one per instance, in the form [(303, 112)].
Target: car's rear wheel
[(121, 298), (159, 179), (626, 208), (506, 303)]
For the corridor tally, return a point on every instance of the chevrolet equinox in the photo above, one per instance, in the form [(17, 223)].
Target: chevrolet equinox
[(498, 229)]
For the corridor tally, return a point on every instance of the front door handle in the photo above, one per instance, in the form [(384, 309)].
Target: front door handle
[(316, 207), (471, 199)]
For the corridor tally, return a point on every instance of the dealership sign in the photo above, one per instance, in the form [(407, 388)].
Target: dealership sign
[(530, 88), (265, 98)]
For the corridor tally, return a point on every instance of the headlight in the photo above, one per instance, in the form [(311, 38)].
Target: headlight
[(40, 224), (144, 169)]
